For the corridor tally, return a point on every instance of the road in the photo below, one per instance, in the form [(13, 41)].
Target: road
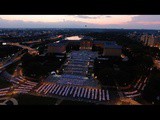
[(58, 101), (137, 88), (120, 93), (30, 50), (11, 61), (18, 71)]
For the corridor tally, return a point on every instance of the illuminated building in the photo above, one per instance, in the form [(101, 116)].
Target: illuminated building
[(86, 43), (150, 40), (109, 48)]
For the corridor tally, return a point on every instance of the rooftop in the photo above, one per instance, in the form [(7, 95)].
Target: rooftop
[(98, 42), (87, 37), (61, 43), (112, 44)]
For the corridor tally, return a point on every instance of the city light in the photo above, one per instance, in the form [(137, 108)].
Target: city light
[(92, 74), (4, 43), (57, 71), (74, 66)]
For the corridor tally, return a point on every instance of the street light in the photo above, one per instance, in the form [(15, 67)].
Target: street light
[(57, 71), (92, 74)]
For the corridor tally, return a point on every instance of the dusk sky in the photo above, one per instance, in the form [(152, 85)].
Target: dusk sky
[(81, 21)]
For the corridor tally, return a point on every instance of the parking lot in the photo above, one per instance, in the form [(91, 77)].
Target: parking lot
[(74, 83), (74, 92)]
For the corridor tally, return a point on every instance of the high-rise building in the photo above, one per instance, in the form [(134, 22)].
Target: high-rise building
[(151, 40), (157, 42)]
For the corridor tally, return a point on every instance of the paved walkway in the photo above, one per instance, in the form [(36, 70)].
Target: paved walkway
[(6, 99)]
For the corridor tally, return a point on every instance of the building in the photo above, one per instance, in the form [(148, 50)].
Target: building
[(112, 49), (157, 42), (151, 40), (144, 38), (99, 43), (57, 47), (108, 48), (86, 43)]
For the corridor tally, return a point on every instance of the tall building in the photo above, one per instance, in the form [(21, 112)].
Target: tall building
[(157, 42), (144, 39), (150, 40)]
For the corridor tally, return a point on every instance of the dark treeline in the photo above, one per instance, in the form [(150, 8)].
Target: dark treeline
[(38, 66)]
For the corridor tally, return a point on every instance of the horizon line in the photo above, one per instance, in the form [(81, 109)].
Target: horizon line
[(84, 28)]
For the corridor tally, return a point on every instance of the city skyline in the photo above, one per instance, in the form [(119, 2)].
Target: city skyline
[(80, 21)]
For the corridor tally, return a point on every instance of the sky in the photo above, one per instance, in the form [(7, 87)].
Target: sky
[(81, 21)]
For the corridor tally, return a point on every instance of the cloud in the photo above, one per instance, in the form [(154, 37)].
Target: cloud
[(143, 22), (91, 16), (146, 18), (87, 17), (28, 24), (108, 16), (137, 22)]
